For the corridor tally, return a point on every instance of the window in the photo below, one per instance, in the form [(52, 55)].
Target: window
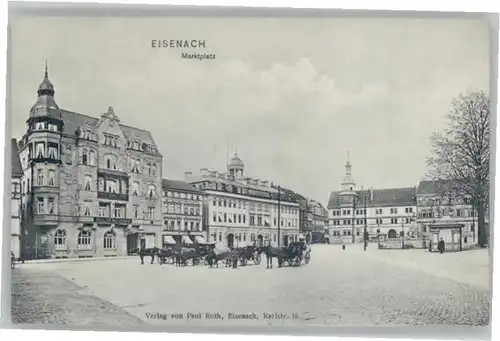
[(40, 205), (39, 150), (409, 210), (51, 206), (151, 191), (92, 160), (150, 213), (135, 188), (394, 210), (60, 240), (123, 187), (53, 151), (135, 165), (39, 125), (110, 140), (39, 177), (87, 184), (85, 156), (110, 162), (84, 241), (119, 211), (52, 177), (136, 211), (111, 186), (101, 184), (103, 210), (394, 220), (379, 211), (110, 240), (153, 169), (86, 208), (214, 217), (459, 212)]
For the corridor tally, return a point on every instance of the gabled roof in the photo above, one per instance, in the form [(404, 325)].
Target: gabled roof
[(381, 197), (73, 121), (434, 186), (177, 185), (16, 167)]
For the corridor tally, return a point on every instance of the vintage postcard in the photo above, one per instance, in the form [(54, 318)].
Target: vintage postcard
[(253, 171)]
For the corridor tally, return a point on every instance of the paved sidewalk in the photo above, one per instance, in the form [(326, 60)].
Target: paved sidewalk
[(44, 297), (468, 267), (64, 260)]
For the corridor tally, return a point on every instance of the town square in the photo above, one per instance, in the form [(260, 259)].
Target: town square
[(270, 187), (338, 287)]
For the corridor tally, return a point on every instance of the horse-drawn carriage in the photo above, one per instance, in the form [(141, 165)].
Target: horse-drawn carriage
[(246, 253), (292, 255)]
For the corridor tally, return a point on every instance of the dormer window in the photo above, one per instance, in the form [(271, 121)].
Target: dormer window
[(110, 140), (52, 127)]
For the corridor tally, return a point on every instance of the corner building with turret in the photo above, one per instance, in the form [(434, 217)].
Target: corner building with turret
[(91, 185)]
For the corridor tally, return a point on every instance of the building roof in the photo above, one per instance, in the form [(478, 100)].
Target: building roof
[(434, 186), (17, 169), (73, 121), (178, 186), (381, 197), (235, 161)]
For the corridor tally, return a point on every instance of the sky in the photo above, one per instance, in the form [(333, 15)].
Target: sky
[(291, 96)]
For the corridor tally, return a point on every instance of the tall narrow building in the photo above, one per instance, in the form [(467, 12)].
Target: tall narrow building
[(92, 186)]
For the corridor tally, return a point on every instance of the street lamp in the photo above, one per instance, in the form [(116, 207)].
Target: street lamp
[(403, 233), (365, 233)]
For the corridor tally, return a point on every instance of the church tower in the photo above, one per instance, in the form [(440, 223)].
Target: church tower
[(347, 192)]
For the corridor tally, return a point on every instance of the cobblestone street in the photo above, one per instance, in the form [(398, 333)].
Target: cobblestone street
[(338, 287)]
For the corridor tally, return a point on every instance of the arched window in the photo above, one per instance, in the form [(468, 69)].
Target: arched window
[(153, 169), (84, 241), (148, 168), (60, 240), (151, 191), (110, 240)]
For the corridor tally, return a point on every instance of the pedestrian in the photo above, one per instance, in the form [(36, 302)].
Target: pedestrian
[(441, 246), (343, 246)]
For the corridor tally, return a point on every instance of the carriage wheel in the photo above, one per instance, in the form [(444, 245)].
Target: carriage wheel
[(243, 261), (297, 261), (257, 260)]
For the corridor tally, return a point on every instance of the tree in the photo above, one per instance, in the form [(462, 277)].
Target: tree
[(461, 154)]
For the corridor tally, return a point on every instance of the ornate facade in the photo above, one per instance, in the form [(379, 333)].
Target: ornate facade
[(387, 213), (92, 186), (182, 213), (241, 209)]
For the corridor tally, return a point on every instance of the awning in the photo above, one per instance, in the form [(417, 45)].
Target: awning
[(168, 240), (200, 240), (186, 240)]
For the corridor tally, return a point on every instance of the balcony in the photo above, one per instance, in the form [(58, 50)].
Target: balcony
[(115, 221), (112, 196), (46, 219)]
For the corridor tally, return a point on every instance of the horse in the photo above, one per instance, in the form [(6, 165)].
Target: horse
[(183, 254), (214, 256), (146, 252), (165, 253)]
